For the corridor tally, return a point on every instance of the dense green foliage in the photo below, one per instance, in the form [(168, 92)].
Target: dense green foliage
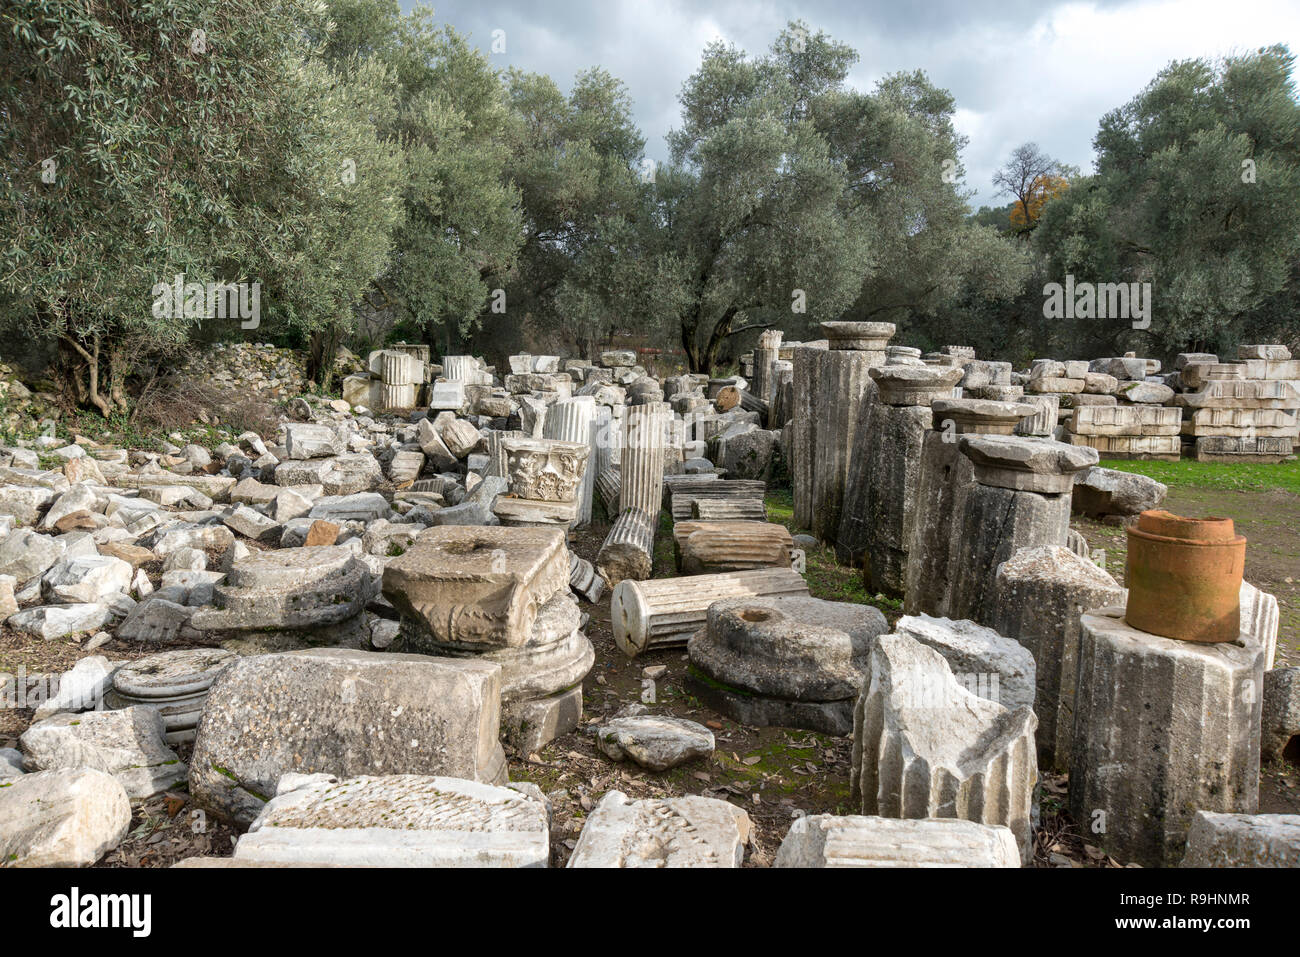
[(377, 177)]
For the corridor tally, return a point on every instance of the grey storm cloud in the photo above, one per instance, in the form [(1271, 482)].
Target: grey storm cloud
[(1019, 70)]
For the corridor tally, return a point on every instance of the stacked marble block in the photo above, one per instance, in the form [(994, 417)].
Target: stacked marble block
[(500, 595), (1117, 406), (879, 510), (394, 382), (544, 479), (831, 389), (1244, 411)]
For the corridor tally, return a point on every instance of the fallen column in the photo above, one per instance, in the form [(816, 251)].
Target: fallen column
[(628, 549), (709, 547), (668, 611)]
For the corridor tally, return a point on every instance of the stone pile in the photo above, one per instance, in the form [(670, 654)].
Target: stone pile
[(1243, 411)]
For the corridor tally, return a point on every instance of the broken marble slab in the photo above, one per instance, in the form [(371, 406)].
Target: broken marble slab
[(65, 818), (398, 820), (655, 742), (343, 712), (830, 840), (127, 744), (670, 832)]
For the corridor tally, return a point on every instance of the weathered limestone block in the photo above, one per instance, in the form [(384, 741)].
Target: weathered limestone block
[(1243, 448), (1242, 394), (1042, 422), (1235, 422), (288, 588), (530, 724), (398, 820), (307, 440), (1243, 840), (337, 475), (346, 713), (924, 746), (476, 588), (1126, 420), (672, 832), (830, 840), (668, 611), (791, 661), (1270, 351), (628, 550), (1099, 492), (127, 744), (655, 742), (1162, 728), (978, 416), (1280, 721), (65, 818), (728, 510), (1167, 448), (708, 547), (986, 663), (1039, 594)]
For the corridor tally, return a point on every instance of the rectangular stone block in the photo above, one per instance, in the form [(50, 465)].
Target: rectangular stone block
[(1214, 448), (1125, 420), (1242, 394)]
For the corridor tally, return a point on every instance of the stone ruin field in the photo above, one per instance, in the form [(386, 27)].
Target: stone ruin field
[(856, 606)]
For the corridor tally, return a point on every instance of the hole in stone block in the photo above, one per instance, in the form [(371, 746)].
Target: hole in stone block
[(1291, 753)]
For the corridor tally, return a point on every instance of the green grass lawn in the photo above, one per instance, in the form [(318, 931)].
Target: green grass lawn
[(1189, 473)]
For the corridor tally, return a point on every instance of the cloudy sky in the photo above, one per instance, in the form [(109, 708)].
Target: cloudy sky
[(1019, 70)]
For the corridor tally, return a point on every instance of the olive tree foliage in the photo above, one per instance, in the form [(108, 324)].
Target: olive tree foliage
[(462, 221), (577, 160), (1197, 191), (795, 199), (182, 137)]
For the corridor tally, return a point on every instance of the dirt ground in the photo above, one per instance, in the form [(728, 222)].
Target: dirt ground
[(774, 774)]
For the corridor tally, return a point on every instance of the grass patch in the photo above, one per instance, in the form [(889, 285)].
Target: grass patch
[(1222, 476), (826, 577)]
